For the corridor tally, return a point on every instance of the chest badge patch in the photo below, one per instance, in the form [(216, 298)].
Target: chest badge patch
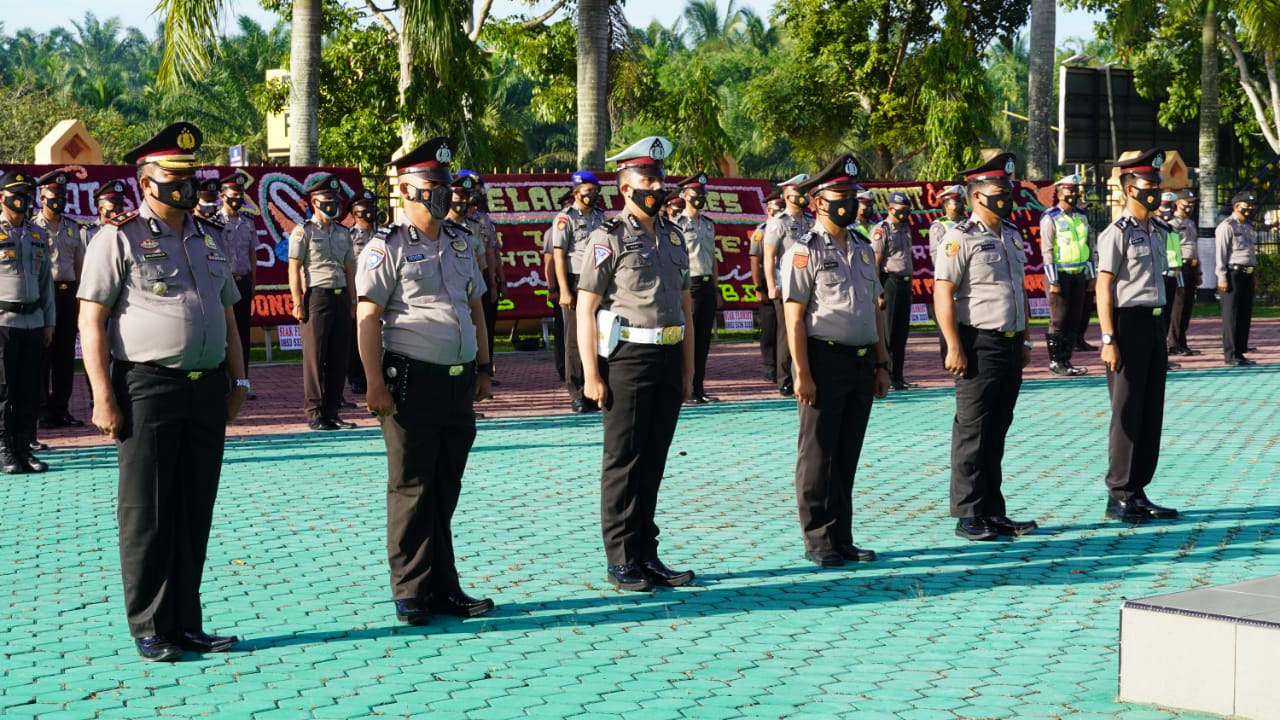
[(600, 254), (865, 257), (675, 239), (459, 245), (159, 288), (209, 243), (149, 244)]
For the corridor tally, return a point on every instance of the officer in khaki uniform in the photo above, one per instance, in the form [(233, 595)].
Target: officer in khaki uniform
[(704, 268), (636, 273), (773, 206), (569, 234), (66, 254), (780, 234), (1069, 251), (1183, 222), (982, 312), (240, 241), (1237, 260), (364, 216), (1131, 298), (483, 228), (108, 198), (208, 203), (951, 200), (160, 373), (321, 276), (865, 223), (891, 242), (553, 292), (830, 288), (27, 321)]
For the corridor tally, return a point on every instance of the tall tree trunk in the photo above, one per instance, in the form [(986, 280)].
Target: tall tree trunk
[(407, 130), (1040, 105), (1209, 116), (593, 82), (304, 78)]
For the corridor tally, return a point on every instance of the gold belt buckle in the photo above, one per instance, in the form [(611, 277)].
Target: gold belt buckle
[(862, 352), (338, 291), (194, 375), (1248, 270), (1157, 311), (455, 370), (63, 286), (670, 335), (1009, 333)]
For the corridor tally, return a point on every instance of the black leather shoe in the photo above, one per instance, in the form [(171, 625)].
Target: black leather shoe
[(409, 611), (1190, 351), (359, 388), (345, 404), (1158, 512), (824, 558), (341, 424), (10, 463), (973, 528), (1010, 528), (787, 391), (37, 446), (1173, 366), (660, 574), (1178, 351), (696, 400), (157, 649), (70, 421), (1125, 512), (31, 462), (577, 406), (460, 604), (50, 423), (202, 642), (321, 424), (853, 553), (1246, 361), (629, 577)]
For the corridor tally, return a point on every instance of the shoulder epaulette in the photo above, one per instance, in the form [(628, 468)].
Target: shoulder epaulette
[(1160, 223), (610, 224), (1125, 221), (213, 223), (807, 238), (1055, 210), (857, 234), (122, 218), (383, 232), (964, 225), (454, 223), (1009, 224)]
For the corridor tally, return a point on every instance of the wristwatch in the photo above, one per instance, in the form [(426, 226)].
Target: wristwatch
[(1108, 339), (244, 383), (484, 367), (1028, 344), (882, 366)]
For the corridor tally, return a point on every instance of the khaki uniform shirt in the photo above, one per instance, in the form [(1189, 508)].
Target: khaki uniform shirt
[(167, 294), (323, 252), (571, 230), (937, 230), (240, 240), (1137, 258), (987, 267), (425, 288), (1188, 232), (700, 238), (360, 239), (1234, 242), (756, 247), (26, 275), (66, 247), (838, 288), (780, 233), (638, 275), (476, 239), (893, 245)]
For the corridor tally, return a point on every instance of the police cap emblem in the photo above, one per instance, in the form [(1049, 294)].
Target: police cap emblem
[(657, 151)]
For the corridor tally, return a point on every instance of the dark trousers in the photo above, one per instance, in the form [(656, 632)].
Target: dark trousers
[(829, 443), (326, 340), (769, 337), (1237, 313), (645, 386), (985, 399), (1067, 307), (61, 353), (490, 324), (784, 350), (21, 383), (897, 320), (1184, 300), (428, 441), (170, 456), (242, 311), (1137, 402), (703, 292), (557, 340), (573, 372)]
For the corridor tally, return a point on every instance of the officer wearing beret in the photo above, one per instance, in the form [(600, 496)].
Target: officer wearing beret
[(891, 242), (27, 321), (636, 273), (240, 241), (982, 312), (1068, 248), (1131, 299), (364, 216), (66, 256), (1237, 260), (780, 234), (830, 287), (421, 332), (951, 201), (553, 290), (704, 267), (774, 206), (569, 234), (865, 223), (321, 275), (483, 228), (1184, 223), (160, 385)]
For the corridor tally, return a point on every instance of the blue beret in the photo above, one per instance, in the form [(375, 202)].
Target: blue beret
[(898, 198), (582, 176)]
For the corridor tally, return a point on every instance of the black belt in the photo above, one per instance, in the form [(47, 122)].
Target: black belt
[(240, 277), (897, 276), (168, 372), (19, 308), (1002, 334), (1143, 310), (842, 349), (421, 367), (702, 278), (327, 291), (65, 285), (1246, 269)]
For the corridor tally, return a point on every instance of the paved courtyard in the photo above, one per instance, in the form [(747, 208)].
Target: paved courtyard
[(936, 628)]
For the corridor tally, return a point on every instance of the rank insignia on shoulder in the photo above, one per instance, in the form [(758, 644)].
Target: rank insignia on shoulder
[(964, 225), (1009, 224), (800, 261), (1126, 221), (808, 238), (459, 245), (383, 232), (951, 248), (373, 259), (122, 218), (609, 224), (600, 254)]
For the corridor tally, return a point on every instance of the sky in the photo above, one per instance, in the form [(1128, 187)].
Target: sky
[(136, 13)]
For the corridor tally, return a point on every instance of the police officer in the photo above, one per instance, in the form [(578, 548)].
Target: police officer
[(1237, 259), (208, 204), (773, 206), (108, 199), (321, 275), (951, 201), (569, 235), (364, 216), (240, 242), (704, 267), (1068, 248), (422, 339), (891, 242), (636, 273), (780, 234), (1172, 273), (673, 208), (553, 290), (27, 321), (161, 390), (838, 354), (1184, 223), (865, 222), (494, 274), (66, 256), (982, 311), (1131, 299)]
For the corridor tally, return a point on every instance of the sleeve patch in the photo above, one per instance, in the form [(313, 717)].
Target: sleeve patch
[(561, 224), (374, 260), (878, 234), (800, 261), (600, 254), (951, 248)]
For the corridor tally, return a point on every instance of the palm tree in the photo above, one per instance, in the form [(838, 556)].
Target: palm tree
[(1209, 116), (1040, 103), (593, 82), (706, 25)]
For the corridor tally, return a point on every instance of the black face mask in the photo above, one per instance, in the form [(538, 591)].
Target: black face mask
[(842, 212), (437, 200), (56, 205), (800, 201), (1070, 200), (235, 203), (650, 201), (112, 209), (180, 194), (460, 207), (365, 215), (900, 216), (1247, 214), (328, 209), (1001, 204), (207, 208), (1148, 198), (698, 202), (17, 203), (589, 200)]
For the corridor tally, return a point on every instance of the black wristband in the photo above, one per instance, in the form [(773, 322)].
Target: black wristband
[(484, 367), (882, 366)]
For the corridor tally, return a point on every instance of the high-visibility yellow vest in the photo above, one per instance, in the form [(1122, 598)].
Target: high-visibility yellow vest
[(1071, 241)]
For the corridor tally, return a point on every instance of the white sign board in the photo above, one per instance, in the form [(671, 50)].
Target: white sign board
[(919, 313), (739, 320), (1039, 307), (290, 336)]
